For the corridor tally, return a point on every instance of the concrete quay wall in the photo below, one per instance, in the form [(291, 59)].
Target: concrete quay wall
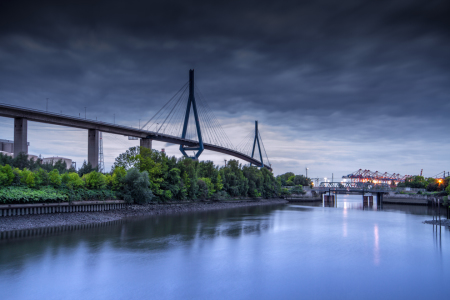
[(65, 207)]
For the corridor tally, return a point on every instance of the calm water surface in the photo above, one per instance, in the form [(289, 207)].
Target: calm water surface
[(277, 252)]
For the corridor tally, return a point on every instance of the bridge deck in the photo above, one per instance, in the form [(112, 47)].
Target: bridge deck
[(11, 111)]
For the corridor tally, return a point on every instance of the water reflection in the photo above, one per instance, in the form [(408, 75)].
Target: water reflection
[(139, 234), (376, 251), (357, 202), (286, 252)]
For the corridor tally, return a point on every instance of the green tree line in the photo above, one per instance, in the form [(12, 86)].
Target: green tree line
[(430, 184), (139, 175)]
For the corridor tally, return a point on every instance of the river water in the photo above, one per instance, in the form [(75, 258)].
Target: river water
[(267, 252)]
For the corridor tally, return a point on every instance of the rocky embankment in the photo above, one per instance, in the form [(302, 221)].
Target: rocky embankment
[(77, 218)]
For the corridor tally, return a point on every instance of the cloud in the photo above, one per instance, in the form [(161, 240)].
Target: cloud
[(355, 75)]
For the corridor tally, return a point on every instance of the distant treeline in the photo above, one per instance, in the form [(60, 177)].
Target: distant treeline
[(430, 184), (139, 175)]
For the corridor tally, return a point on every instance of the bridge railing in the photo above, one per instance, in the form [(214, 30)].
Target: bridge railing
[(353, 185)]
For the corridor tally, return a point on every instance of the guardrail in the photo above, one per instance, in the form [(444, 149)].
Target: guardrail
[(354, 185)]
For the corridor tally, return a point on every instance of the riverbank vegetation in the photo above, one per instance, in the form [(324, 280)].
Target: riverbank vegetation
[(437, 185), (139, 175)]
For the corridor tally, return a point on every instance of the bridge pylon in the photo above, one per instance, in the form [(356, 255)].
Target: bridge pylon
[(256, 142), (191, 102)]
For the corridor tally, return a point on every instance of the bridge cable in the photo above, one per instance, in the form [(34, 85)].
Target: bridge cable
[(207, 121), (208, 130), (170, 114), (215, 121), (265, 152), (165, 105)]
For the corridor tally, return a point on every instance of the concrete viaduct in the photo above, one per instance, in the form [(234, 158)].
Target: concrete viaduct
[(23, 115)]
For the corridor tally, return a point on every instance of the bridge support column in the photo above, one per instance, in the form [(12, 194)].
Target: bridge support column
[(380, 200), (147, 143), (93, 143), (20, 136)]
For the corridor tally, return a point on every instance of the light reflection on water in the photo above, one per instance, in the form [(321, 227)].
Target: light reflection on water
[(267, 252)]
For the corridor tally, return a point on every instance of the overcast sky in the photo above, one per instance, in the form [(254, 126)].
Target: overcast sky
[(336, 85)]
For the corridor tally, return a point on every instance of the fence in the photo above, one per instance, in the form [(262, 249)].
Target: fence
[(65, 207)]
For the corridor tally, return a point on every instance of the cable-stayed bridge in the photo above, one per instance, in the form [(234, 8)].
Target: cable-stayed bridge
[(185, 119)]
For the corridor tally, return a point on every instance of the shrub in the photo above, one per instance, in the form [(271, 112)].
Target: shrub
[(298, 190), (95, 180), (117, 178), (72, 180), (6, 175), (41, 177), (285, 192), (136, 187), (54, 178), (19, 194)]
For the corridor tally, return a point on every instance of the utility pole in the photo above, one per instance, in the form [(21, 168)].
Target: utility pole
[(114, 118), (85, 112), (225, 162), (46, 106)]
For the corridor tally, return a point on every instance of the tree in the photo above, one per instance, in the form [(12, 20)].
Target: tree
[(206, 188), (301, 180), (255, 181), (127, 159), (284, 177), (298, 190), (86, 168), (136, 187)]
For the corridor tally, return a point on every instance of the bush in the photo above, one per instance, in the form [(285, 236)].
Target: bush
[(54, 178), (285, 192), (95, 180), (6, 175), (15, 194), (41, 177), (72, 180), (298, 190), (136, 187), (117, 178)]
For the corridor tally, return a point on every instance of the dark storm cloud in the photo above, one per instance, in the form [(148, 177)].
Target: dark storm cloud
[(372, 68)]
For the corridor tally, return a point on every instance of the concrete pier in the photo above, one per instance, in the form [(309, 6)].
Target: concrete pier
[(20, 136), (93, 143), (147, 143)]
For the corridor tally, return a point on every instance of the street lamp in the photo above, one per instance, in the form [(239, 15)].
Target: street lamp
[(307, 172)]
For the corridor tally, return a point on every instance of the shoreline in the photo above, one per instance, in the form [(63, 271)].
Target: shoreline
[(443, 222), (22, 222)]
